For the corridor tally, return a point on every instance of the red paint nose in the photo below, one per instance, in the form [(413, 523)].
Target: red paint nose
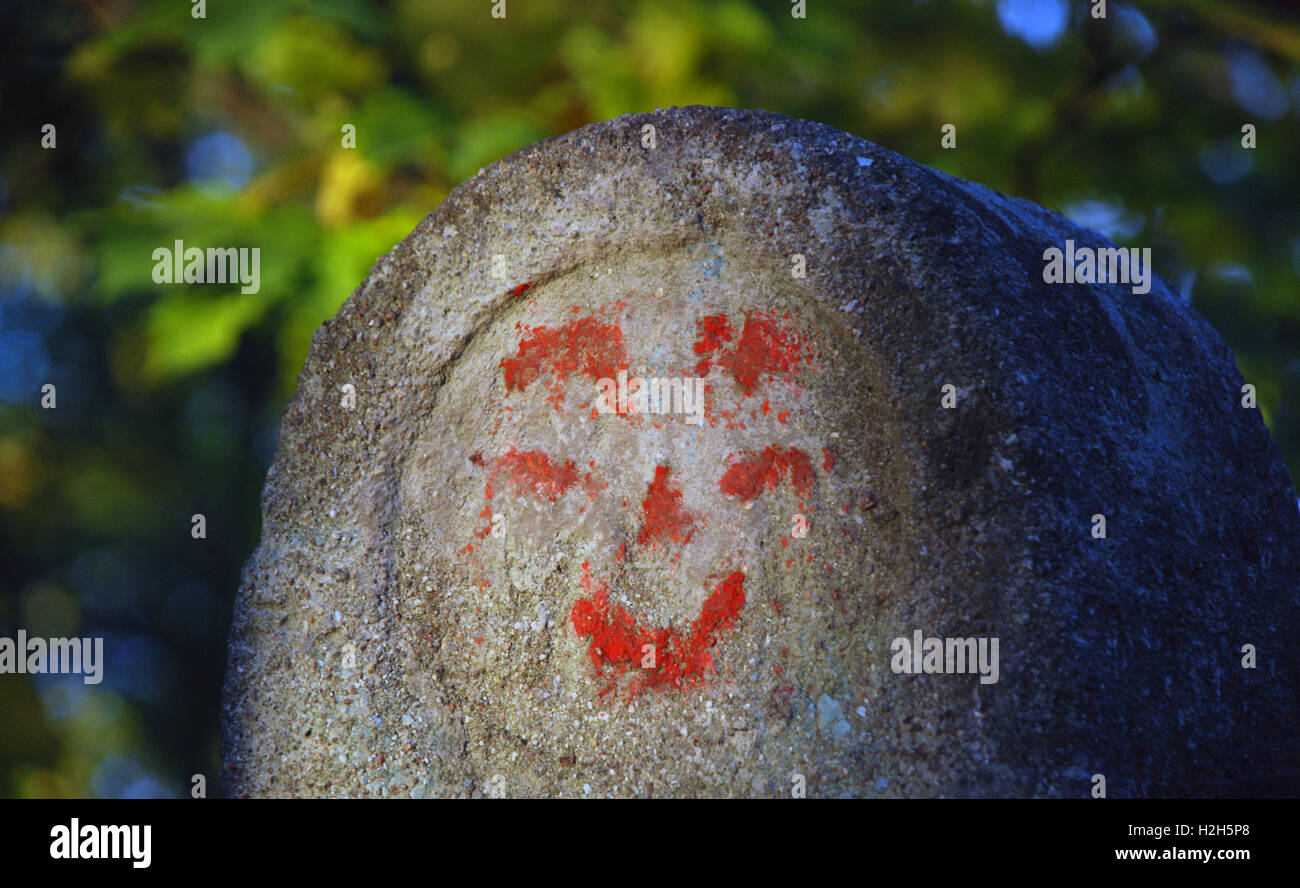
[(665, 516)]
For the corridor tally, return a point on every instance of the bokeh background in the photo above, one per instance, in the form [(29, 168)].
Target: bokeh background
[(226, 131)]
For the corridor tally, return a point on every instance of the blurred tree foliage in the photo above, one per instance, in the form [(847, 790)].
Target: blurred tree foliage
[(226, 131)]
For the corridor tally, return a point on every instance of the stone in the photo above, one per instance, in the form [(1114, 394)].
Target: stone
[(491, 566)]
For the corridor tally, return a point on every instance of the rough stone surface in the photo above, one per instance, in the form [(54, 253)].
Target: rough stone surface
[(388, 642)]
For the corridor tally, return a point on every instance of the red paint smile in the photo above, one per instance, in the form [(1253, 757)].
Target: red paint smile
[(679, 659)]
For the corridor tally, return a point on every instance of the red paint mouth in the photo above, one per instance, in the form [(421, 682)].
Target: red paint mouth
[(662, 657)]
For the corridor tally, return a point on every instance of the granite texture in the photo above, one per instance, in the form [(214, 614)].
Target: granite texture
[(387, 641)]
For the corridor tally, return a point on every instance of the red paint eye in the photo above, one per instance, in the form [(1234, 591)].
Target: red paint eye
[(584, 346), (534, 472), (755, 472), (764, 346)]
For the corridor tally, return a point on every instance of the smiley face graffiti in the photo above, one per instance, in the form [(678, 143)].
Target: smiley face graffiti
[(659, 510)]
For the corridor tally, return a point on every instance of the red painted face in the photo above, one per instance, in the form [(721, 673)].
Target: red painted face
[(663, 492)]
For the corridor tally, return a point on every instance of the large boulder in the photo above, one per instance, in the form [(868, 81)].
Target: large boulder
[(490, 567)]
